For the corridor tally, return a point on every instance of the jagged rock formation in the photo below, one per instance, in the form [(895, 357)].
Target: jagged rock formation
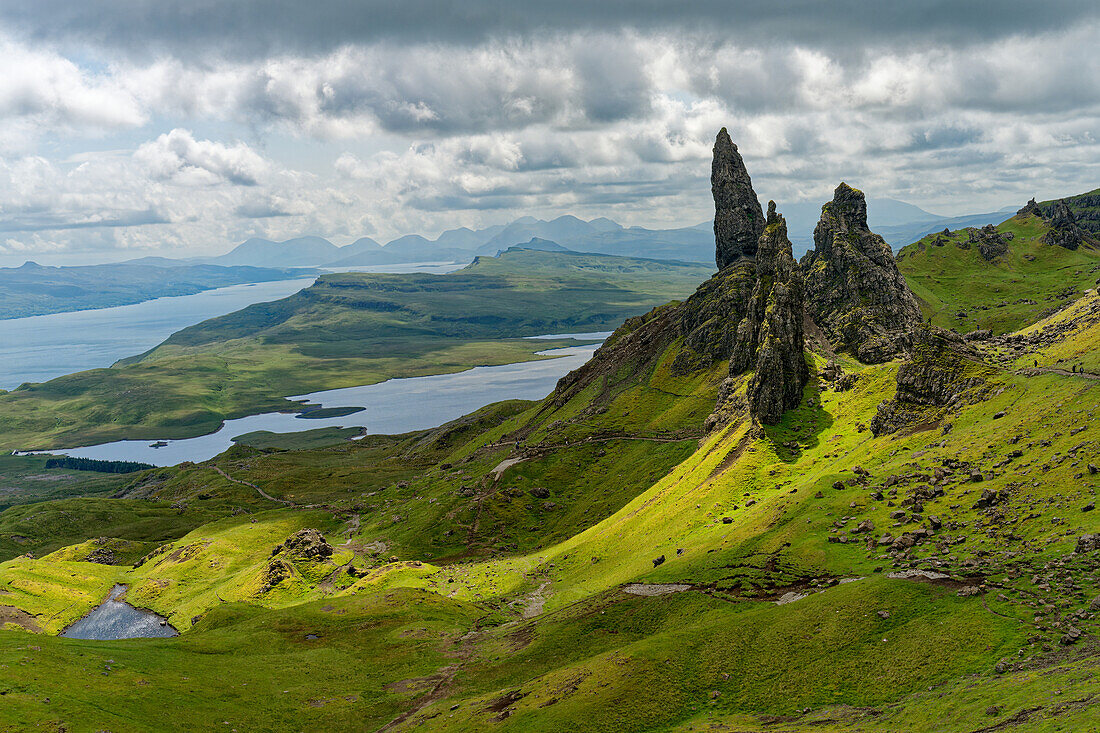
[(773, 327), (738, 218), (1085, 209), (1064, 231), (749, 314), (941, 372), (1030, 209), (854, 291), (990, 243)]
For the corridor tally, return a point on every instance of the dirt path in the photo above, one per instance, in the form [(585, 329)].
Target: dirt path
[(1036, 371), (440, 682), (505, 465), (535, 601), (259, 491)]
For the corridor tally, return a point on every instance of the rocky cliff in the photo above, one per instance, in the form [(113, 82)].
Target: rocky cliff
[(854, 291), (1064, 231), (738, 218), (941, 373)]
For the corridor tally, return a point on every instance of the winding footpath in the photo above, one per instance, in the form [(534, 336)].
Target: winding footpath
[(260, 491)]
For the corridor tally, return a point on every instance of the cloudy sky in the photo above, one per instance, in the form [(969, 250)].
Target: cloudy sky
[(181, 127)]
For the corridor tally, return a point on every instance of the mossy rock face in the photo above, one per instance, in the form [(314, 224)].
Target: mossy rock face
[(854, 291), (941, 372), (1084, 207)]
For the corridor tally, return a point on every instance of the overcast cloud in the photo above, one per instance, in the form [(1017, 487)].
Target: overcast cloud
[(129, 128)]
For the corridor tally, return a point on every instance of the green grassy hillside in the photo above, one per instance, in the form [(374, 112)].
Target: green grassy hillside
[(346, 330), (597, 561), (620, 556), (959, 288)]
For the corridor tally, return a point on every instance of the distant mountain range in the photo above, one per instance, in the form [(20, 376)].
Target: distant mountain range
[(898, 222)]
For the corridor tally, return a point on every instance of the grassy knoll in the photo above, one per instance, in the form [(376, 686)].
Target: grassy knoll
[(44, 527), (346, 330), (957, 288)]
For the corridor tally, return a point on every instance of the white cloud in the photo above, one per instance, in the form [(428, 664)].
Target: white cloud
[(426, 136), (179, 157)]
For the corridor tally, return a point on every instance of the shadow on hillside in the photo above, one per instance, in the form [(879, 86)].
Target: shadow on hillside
[(801, 428)]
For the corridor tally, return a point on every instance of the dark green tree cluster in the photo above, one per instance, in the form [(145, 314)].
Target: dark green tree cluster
[(91, 464)]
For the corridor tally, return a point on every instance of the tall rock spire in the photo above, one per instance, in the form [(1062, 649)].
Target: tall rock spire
[(749, 315), (854, 291), (738, 218), (780, 371)]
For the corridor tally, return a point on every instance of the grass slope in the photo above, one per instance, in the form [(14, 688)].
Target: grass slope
[(457, 599), (957, 288)]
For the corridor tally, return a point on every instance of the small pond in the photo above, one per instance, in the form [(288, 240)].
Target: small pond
[(116, 619)]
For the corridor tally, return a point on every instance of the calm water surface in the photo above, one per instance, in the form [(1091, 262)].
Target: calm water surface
[(391, 407), (115, 619), (39, 348)]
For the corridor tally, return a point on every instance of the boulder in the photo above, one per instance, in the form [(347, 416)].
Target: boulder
[(865, 526), (306, 544), (1087, 543)]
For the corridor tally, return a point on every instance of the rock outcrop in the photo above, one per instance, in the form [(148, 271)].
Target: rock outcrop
[(305, 544), (989, 242), (940, 373), (772, 329), (1064, 231), (1030, 209), (738, 218), (854, 290)]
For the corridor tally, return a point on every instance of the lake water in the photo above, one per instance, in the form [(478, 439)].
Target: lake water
[(391, 407), (115, 619), (39, 348)]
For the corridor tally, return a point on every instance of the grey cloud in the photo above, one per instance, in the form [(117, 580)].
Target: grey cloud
[(260, 27), (260, 211)]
